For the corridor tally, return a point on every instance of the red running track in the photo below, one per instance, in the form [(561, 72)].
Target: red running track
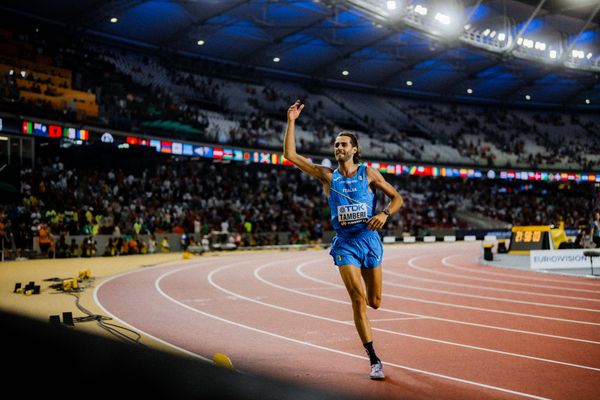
[(448, 327)]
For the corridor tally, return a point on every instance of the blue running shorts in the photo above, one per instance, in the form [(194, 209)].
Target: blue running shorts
[(364, 251)]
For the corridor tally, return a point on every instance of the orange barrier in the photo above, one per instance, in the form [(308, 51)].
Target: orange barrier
[(31, 97), (38, 76), (42, 67), (59, 103), (78, 95), (45, 77)]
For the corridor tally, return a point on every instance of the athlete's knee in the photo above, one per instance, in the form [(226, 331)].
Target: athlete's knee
[(358, 299), (375, 302)]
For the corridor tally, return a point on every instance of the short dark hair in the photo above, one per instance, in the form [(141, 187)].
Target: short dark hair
[(354, 141)]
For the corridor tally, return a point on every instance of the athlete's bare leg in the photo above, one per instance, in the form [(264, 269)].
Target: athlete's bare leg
[(351, 275), (372, 278)]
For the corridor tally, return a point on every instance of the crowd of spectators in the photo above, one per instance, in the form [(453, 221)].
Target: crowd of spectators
[(255, 203), (134, 90), (137, 207)]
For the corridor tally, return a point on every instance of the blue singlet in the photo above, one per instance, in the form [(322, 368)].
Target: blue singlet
[(352, 203)]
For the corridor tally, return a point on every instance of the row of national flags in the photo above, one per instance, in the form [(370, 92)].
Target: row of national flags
[(424, 170), (54, 131), (216, 153), (265, 157)]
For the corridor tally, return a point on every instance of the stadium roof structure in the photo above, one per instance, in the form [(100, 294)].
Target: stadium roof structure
[(521, 52)]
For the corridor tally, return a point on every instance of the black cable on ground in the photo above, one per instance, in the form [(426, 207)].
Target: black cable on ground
[(111, 328), (101, 320)]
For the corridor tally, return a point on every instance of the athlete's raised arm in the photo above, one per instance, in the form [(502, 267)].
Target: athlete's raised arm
[(323, 174)]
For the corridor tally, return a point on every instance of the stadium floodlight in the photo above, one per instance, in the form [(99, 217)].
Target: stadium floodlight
[(545, 47), (470, 91), (578, 59), (442, 18), (114, 20), (527, 97), (409, 83), (419, 9), (587, 101), (200, 42), (578, 54), (381, 10), (276, 59), (449, 20), (345, 72)]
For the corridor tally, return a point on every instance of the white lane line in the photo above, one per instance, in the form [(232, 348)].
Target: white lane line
[(490, 310), (479, 269), (566, 275), (412, 264), (253, 300), (135, 328), (308, 344), (315, 288), (444, 282), (300, 272), (501, 299), (389, 319), (432, 270), (205, 263), (479, 287)]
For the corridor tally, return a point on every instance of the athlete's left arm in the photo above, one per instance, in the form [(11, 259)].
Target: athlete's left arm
[(377, 181)]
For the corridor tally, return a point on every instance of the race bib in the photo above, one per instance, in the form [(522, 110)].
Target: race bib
[(352, 214)]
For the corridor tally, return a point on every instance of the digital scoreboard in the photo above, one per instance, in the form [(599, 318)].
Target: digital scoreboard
[(526, 238)]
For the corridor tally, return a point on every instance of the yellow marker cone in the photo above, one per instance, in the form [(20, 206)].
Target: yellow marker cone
[(222, 360), (66, 284), (85, 274)]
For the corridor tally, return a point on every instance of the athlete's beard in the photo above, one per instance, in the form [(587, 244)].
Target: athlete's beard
[(343, 157)]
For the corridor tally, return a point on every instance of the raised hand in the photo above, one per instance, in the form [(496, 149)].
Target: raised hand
[(295, 110)]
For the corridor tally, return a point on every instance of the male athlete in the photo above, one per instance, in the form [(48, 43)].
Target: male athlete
[(356, 249)]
